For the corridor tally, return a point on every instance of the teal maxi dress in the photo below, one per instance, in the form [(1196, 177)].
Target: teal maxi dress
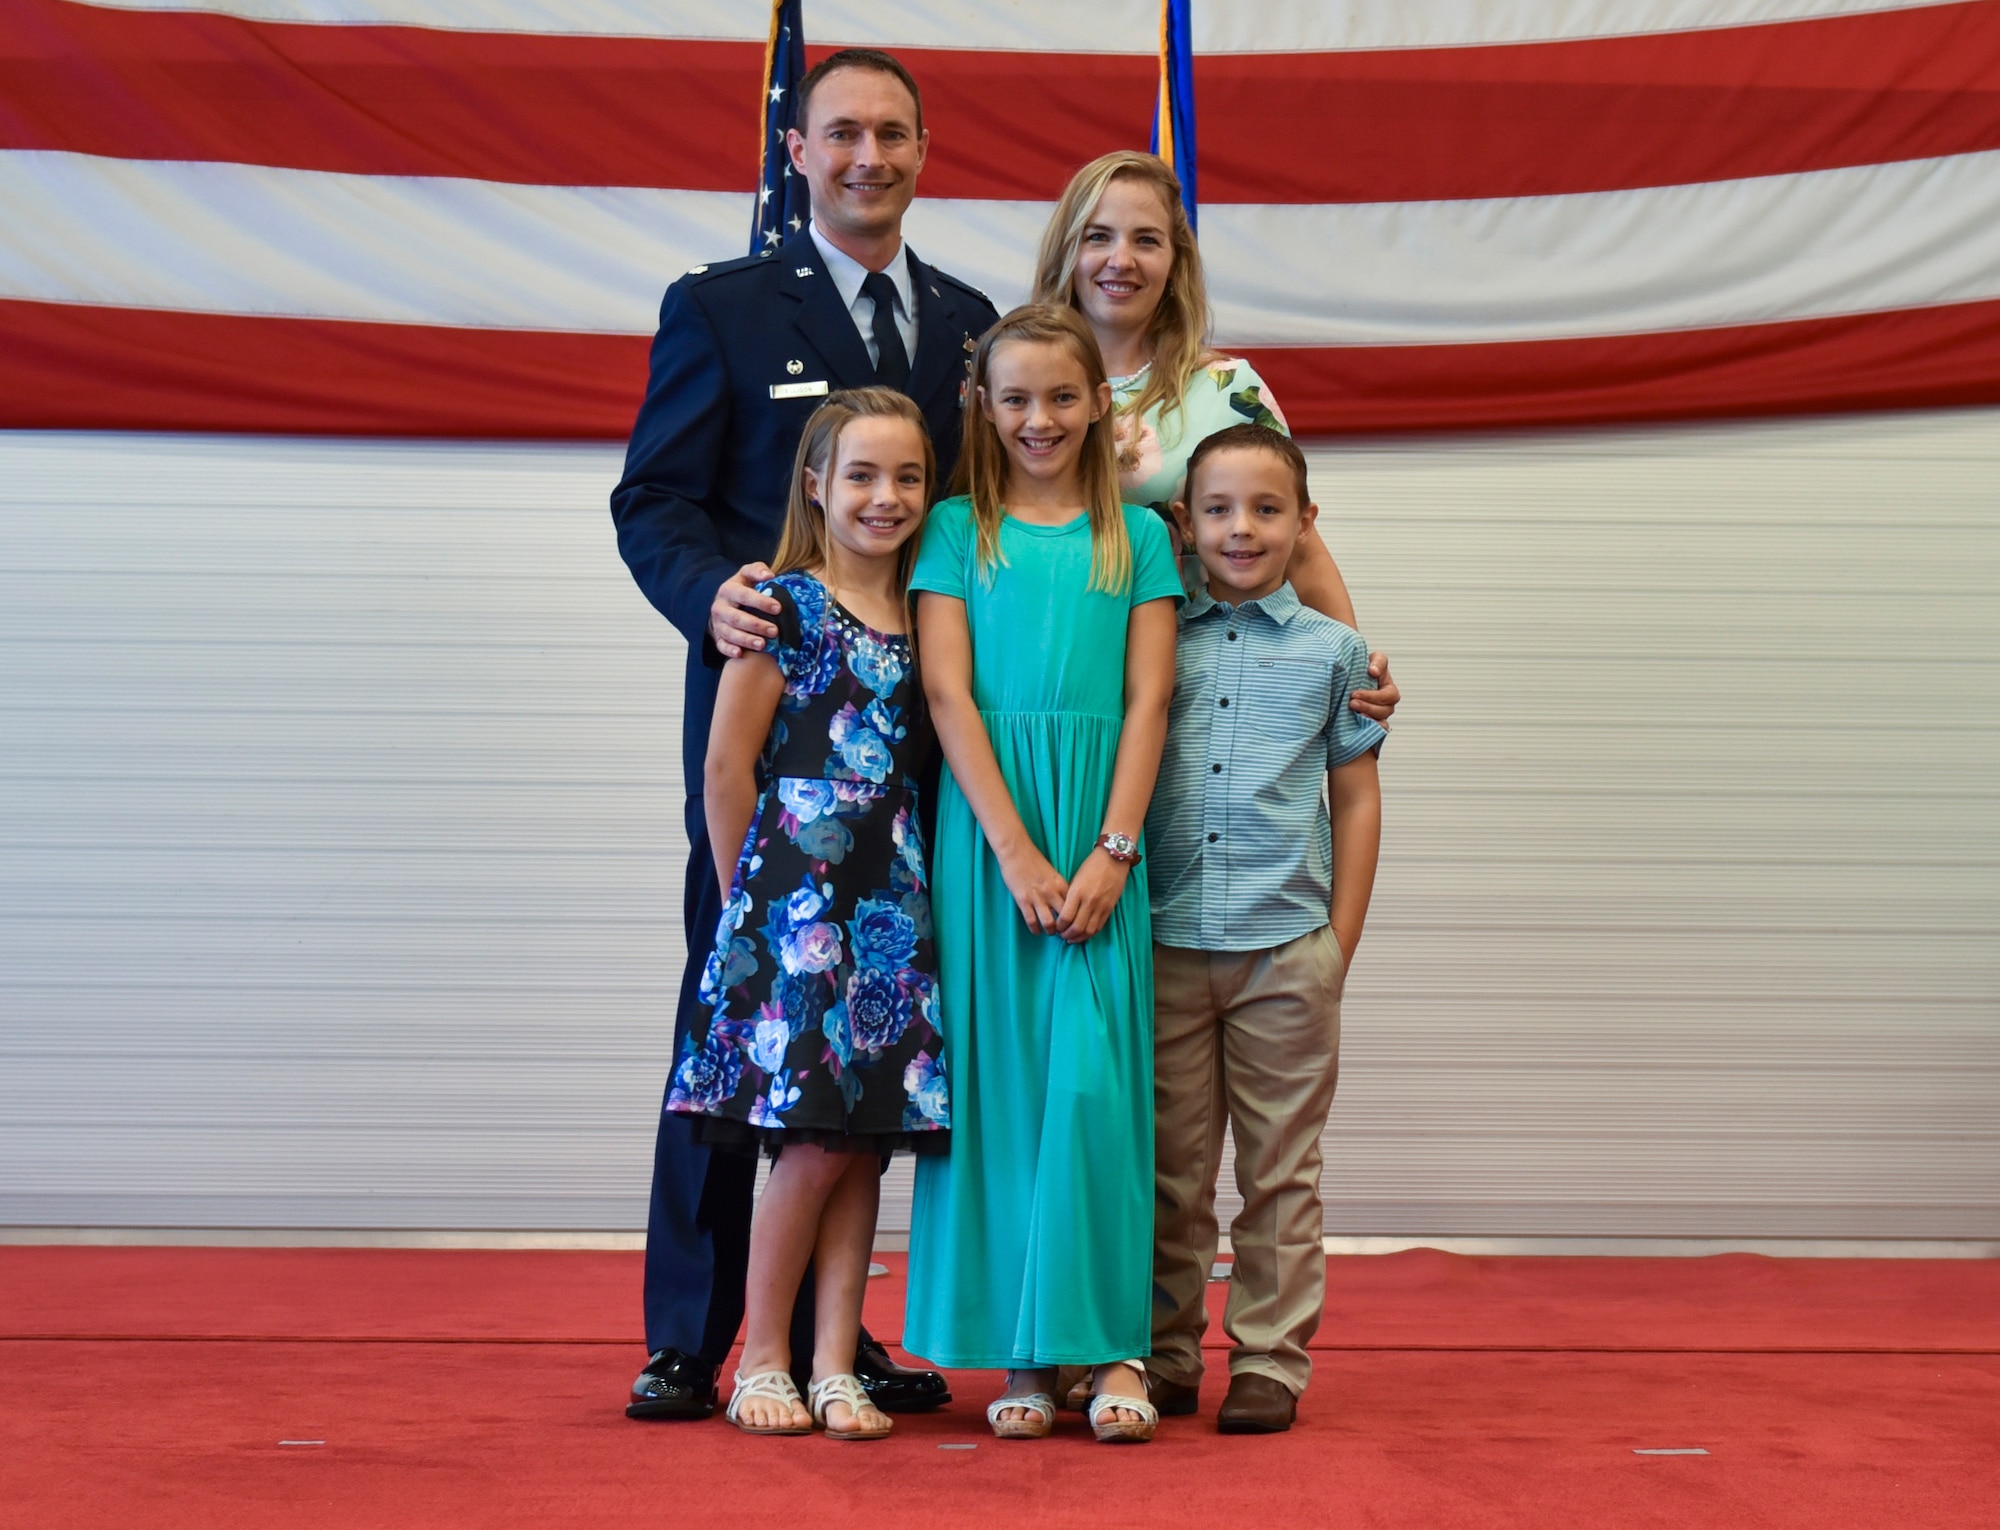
[(1031, 1243)]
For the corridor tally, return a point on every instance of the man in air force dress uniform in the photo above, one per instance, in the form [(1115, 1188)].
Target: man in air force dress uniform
[(746, 350)]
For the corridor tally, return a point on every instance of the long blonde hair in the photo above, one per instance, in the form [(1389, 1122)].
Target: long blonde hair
[(1179, 331), (983, 463), (803, 545)]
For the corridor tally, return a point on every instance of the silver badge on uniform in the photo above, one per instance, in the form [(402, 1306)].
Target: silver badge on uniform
[(799, 389), (795, 367)]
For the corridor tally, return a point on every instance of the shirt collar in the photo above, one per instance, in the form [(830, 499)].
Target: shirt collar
[(848, 273), (1281, 605)]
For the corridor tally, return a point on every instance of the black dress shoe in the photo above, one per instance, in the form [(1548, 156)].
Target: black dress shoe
[(897, 1388), (1174, 1399), (673, 1385)]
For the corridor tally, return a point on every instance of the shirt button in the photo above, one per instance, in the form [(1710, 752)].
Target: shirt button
[(1224, 702), (1213, 838), (1215, 769), (1230, 635)]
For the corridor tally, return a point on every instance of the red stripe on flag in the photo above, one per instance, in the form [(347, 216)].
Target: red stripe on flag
[(1603, 114), (586, 111), (75, 367), (1396, 125), (1914, 358), (72, 367), (530, 109)]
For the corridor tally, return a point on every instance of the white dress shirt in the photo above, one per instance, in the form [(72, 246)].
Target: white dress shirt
[(848, 275)]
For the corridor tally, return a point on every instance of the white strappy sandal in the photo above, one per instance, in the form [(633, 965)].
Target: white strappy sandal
[(845, 1387), (1039, 1405), (1122, 1431), (777, 1386)]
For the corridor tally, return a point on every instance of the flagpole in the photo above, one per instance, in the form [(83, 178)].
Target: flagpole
[(1173, 111)]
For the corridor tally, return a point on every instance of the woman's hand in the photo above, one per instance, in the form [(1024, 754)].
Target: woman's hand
[(733, 623), (1038, 888), (1379, 703), (1093, 893)]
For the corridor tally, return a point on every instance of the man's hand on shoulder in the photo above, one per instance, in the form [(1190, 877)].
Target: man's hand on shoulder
[(733, 624)]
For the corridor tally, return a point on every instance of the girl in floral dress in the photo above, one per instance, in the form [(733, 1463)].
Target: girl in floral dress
[(821, 1044)]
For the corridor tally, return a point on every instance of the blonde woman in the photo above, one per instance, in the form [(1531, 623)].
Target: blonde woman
[(1119, 250)]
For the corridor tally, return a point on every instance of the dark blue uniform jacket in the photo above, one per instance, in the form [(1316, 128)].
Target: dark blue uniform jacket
[(708, 470)]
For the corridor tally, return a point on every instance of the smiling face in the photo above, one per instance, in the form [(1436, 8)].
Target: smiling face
[(874, 495), (1039, 398), (860, 151), (1125, 259), (1245, 521)]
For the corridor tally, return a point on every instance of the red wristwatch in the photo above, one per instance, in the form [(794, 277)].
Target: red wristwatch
[(1120, 847)]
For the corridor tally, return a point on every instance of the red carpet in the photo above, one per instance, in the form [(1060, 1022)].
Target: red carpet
[(153, 1386)]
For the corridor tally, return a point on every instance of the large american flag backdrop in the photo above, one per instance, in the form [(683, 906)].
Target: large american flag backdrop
[(456, 217)]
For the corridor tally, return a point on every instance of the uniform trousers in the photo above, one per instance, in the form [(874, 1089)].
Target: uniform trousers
[(1250, 1039), (698, 1222)]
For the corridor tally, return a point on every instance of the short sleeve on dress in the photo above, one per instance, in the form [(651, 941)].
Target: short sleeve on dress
[(943, 554), (1250, 398), (789, 647), (1349, 735), (1155, 575)]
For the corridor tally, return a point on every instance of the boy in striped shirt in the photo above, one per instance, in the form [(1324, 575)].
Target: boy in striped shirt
[(1258, 897)]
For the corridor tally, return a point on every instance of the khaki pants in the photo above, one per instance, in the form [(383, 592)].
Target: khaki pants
[(1251, 1038)]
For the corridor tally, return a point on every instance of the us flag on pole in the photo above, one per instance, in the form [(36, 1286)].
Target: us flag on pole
[(783, 203)]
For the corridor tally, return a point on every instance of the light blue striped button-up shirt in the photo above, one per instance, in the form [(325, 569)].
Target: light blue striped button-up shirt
[(1238, 837)]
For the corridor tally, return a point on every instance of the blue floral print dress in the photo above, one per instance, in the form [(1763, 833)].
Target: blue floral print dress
[(821, 990)]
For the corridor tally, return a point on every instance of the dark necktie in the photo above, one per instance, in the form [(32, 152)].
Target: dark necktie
[(892, 362)]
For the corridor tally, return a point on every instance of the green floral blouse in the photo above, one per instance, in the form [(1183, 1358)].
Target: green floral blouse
[(1152, 460)]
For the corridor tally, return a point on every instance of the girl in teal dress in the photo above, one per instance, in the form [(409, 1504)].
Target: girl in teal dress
[(1046, 628)]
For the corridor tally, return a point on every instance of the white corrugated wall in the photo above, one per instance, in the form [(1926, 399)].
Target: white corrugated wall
[(339, 836)]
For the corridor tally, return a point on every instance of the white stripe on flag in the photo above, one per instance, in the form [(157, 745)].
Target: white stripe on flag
[(1061, 26), (252, 239), (227, 238), (1858, 240)]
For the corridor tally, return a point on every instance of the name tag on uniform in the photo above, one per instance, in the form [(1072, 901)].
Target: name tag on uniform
[(799, 390)]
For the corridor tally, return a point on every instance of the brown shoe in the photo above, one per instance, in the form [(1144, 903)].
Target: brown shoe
[(1256, 1405), (1174, 1399)]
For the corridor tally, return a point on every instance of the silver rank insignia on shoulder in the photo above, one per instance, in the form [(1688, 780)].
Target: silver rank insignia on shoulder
[(803, 271), (795, 367), (696, 270)]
